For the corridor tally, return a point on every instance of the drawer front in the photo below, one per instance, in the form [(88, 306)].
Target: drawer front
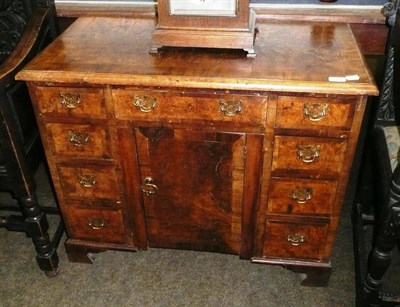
[(89, 141), (80, 183), (293, 240), (321, 155), (301, 196), (314, 113), (94, 224), (74, 102), (139, 105)]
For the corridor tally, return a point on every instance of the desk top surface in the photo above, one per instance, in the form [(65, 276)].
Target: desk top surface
[(291, 57)]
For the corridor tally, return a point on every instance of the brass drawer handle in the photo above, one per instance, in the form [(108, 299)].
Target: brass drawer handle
[(230, 107), (149, 188), (296, 239), (315, 111), (71, 101), (308, 153), (78, 139), (144, 103), (301, 196), (96, 222), (87, 181)]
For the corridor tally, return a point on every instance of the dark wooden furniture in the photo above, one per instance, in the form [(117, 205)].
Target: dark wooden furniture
[(376, 219), (201, 149), (28, 27)]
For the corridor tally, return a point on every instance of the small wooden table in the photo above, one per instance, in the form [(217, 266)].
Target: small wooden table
[(202, 149)]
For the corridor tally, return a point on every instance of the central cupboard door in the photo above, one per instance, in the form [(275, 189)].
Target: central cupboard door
[(192, 188)]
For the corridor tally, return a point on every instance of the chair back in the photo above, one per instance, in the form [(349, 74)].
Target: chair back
[(387, 111)]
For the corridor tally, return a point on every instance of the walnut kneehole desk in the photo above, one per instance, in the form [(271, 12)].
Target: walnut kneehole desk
[(201, 149)]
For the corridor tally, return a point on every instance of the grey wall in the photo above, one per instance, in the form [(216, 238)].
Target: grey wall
[(338, 2)]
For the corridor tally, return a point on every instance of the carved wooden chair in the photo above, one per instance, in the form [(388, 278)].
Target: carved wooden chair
[(26, 27), (378, 221)]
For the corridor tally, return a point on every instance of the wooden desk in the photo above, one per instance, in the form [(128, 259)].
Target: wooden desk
[(201, 149)]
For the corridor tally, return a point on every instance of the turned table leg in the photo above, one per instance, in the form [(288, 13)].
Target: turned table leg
[(34, 223), (37, 229), (388, 234)]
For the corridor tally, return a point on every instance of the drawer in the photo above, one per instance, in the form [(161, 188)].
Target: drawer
[(95, 182), (320, 155), (173, 106), (294, 240), (301, 196), (312, 112), (86, 141), (73, 102), (99, 225)]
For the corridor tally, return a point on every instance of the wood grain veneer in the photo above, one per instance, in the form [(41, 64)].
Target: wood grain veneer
[(202, 148)]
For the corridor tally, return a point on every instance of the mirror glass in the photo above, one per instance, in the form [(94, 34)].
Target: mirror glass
[(203, 7)]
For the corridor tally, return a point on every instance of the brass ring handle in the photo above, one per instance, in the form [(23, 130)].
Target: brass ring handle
[(308, 153), (315, 111), (78, 139), (144, 103), (71, 101), (230, 107), (301, 196), (149, 188), (296, 239), (96, 222), (87, 181)]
